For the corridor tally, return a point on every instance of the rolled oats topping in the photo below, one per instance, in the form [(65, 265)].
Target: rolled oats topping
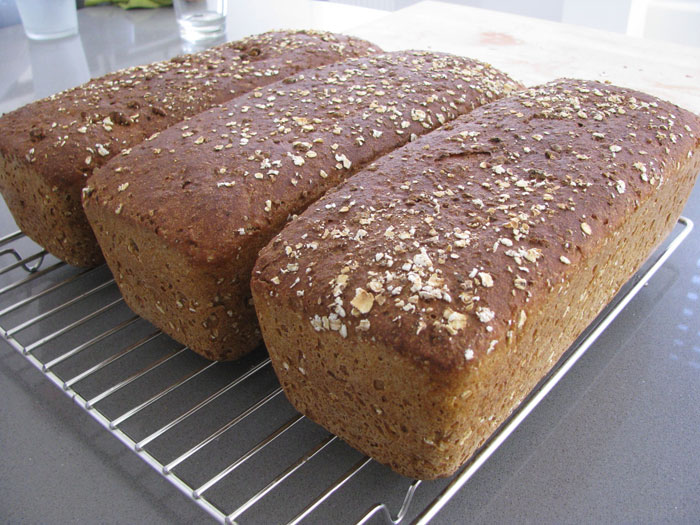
[(286, 144), (75, 132), (449, 237)]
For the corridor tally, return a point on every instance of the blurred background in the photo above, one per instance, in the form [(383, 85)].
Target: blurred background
[(671, 20), (111, 38)]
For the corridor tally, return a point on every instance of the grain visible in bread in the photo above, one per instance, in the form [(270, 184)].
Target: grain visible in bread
[(486, 248), (181, 218), (49, 147)]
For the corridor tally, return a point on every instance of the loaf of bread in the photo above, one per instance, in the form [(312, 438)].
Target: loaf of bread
[(411, 309), (49, 147), (182, 217)]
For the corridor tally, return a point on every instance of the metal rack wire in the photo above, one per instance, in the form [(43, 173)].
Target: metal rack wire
[(221, 433)]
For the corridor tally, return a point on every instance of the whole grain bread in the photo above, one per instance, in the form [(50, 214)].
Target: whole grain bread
[(49, 147), (182, 217), (466, 263)]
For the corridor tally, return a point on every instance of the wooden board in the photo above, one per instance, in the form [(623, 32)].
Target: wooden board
[(535, 51)]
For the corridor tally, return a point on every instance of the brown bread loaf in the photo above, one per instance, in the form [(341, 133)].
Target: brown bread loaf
[(182, 217), (466, 263), (49, 147)]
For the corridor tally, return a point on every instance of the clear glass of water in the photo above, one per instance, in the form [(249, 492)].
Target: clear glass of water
[(201, 20), (48, 19)]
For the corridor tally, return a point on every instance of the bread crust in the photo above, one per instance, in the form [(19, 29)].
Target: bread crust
[(494, 242), (48, 148), (204, 197)]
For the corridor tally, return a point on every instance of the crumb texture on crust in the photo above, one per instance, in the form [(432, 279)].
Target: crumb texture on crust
[(212, 191), (58, 141), (470, 259)]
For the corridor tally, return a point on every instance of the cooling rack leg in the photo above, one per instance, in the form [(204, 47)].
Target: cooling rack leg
[(381, 508)]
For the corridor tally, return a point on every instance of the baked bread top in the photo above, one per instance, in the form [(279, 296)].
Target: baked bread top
[(440, 249), (69, 134), (234, 174)]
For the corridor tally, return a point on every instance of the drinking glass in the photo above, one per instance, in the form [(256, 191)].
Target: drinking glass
[(201, 20), (48, 19)]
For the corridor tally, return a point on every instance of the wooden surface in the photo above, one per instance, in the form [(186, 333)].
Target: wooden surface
[(535, 51)]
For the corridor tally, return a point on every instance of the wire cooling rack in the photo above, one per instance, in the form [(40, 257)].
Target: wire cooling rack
[(223, 433)]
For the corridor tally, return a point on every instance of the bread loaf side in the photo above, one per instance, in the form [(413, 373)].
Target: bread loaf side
[(182, 217), (49, 147), (467, 262)]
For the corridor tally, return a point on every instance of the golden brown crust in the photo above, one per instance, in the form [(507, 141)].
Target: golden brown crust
[(214, 190), (60, 140), (470, 261)]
